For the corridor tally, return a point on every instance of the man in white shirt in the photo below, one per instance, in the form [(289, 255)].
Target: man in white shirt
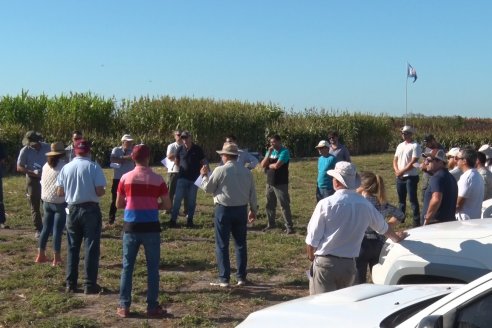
[(336, 229), (470, 186), (171, 155), (453, 163)]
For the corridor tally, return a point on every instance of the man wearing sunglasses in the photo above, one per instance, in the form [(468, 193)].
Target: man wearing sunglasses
[(470, 186), (407, 176), (442, 192)]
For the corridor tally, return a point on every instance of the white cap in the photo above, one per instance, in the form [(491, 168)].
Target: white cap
[(323, 143), (453, 152)]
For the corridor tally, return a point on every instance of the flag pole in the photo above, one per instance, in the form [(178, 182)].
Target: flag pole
[(406, 100)]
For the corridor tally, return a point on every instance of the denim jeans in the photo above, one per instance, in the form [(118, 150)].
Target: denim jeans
[(34, 192), (231, 219), (184, 189), (408, 185), (53, 222), (280, 193), (84, 222), (323, 193), (172, 182), (151, 242)]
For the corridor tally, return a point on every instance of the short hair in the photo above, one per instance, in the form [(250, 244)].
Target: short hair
[(77, 132), (470, 156), (232, 137), (333, 134), (276, 137), (482, 158)]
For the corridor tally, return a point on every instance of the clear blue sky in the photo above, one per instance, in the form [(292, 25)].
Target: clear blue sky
[(341, 55)]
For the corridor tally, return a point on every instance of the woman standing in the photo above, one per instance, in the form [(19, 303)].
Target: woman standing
[(372, 188), (53, 205)]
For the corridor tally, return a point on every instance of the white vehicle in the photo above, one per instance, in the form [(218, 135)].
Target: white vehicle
[(401, 306), (450, 252), (363, 305)]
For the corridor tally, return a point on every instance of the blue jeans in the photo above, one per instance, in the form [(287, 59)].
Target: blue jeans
[(231, 219), (408, 185), (184, 189), (151, 242), (53, 221), (84, 222), (323, 193)]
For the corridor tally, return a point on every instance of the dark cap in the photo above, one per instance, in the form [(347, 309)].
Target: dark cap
[(140, 152), (436, 153), (81, 147), (185, 134), (429, 137), (31, 138)]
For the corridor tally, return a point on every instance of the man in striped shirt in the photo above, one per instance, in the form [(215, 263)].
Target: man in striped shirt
[(142, 193)]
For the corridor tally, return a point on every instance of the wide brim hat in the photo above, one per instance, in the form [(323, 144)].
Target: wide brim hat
[(57, 148), (229, 148), (346, 173), (127, 137)]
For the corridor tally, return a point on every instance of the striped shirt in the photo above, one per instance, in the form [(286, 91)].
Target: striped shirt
[(141, 188)]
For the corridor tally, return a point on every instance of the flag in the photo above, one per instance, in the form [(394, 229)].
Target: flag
[(411, 72)]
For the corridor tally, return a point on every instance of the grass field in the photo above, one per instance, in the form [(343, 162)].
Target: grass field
[(33, 294)]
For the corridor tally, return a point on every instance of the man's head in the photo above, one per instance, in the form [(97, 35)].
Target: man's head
[(407, 133), (481, 159), (76, 135), (141, 155), (229, 151), (487, 150), (333, 137), (323, 148), (430, 141), (346, 174), (231, 138), (32, 139), (127, 141), (276, 142), (186, 138), (177, 136), (467, 158), (435, 160), (82, 148), (451, 156)]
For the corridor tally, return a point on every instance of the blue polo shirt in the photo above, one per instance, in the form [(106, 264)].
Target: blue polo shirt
[(79, 179), (33, 159)]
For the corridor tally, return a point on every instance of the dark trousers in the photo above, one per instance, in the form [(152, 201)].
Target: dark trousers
[(84, 223), (368, 256), (34, 197), (172, 183), (112, 207), (2, 207), (408, 185)]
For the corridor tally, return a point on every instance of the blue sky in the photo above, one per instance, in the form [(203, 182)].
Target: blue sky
[(336, 55)]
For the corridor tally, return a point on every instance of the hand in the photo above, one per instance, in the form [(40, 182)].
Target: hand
[(204, 170), (270, 149), (251, 217), (401, 235)]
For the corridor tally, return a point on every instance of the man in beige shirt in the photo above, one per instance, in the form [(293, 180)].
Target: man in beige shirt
[(233, 188)]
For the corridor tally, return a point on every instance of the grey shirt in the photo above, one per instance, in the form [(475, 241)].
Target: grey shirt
[(126, 165), (33, 159), (232, 185)]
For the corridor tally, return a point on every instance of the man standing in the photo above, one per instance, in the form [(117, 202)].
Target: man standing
[(189, 159), (70, 153), (453, 168), (441, 194), (233, 188), (82, 182), (31, 159), (429, 144), (326, 161), (336, 229), (142, 193), (470, 186), (2, 206), (407, 177), (121, 162), (276, 165), (172, 148), (244, 158), (337, 149), (486, 175)]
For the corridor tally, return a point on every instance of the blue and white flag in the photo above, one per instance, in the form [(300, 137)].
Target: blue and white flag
[(411, 72)]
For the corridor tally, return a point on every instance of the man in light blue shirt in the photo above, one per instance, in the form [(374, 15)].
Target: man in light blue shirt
[(82, 182)]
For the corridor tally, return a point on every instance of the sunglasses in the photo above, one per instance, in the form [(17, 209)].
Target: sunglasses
[(429, 159), (458, 158)]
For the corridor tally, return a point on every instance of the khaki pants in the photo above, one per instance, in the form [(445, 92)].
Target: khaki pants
[(332, 273), (34, 192)]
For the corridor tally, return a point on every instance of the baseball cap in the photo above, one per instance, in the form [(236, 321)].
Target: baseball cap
[(408, 128), (428, 137), (487, 150), (346, 173), (31, 138), (436, 153), (127, 137), (453, 152), (81, 147), (140, 152), (322, 144), (185, 134)]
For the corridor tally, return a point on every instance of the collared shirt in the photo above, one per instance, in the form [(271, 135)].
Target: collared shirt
[(79, 179), (172, 148), (232, 185), (190, 161), (405, 152), (325, 163), (142, 187), (126, 165), (339, 222), (471, 187), (33, 159), (341, 153)]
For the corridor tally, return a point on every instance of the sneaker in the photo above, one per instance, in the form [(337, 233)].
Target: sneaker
[(242, 282), (4, 226), (156, 312), (289, 231), (91, 290), (219, 283), (71, 289), (123, 312)]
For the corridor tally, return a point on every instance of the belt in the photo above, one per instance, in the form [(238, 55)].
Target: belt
[(337, 257), (86, 204), (371, 236)]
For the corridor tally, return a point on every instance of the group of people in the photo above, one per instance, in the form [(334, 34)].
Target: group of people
[(344, 235)]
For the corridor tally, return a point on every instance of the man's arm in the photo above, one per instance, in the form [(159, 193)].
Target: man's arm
[(395, 236), (100, 191), (434, 204), (60, 192), (395, 167), (310, 252), (459, 203), (120, 201), (165, 203), (266, 160), (276, 165)]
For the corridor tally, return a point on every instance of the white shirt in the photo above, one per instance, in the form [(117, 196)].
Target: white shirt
[(405, 152), (471, 187), (339, 223), (171, 149)]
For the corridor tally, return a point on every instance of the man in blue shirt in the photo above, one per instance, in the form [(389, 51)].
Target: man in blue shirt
[(326, 161), (276, 165), (82, 182)]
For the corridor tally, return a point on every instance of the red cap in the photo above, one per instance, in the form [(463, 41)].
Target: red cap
[(140, 152), (82, 147)]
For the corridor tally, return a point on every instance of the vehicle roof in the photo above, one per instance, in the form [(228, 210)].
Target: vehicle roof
[(476, 229), (363, 305)]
